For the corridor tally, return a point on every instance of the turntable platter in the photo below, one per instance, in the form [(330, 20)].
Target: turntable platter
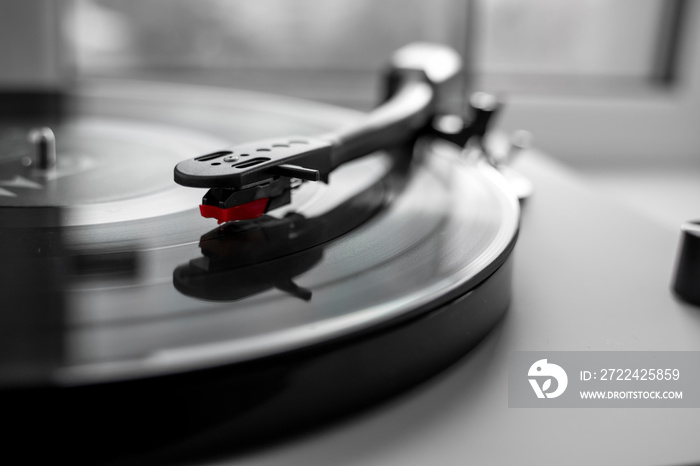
[(144, 294)]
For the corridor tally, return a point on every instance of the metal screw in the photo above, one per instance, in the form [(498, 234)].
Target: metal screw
[(231, 158)]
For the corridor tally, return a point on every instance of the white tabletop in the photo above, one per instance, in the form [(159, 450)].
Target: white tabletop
[(589, 275)]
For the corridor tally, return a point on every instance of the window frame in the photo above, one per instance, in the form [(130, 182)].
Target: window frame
[(654, 124)]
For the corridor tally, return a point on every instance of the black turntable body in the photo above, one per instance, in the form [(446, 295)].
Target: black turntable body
[(351, 267), (127, 317)]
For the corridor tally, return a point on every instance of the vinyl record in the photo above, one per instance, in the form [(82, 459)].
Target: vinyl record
[(120, 290)]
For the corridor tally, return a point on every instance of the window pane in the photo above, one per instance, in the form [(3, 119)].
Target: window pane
[(582, 38), (548, 46), (301, 34)]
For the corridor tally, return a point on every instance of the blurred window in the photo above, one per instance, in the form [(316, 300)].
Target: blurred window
[(268, 34), (537, 44), (514, 44), (573, 70)]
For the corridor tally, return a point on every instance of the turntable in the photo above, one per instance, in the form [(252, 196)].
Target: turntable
[(357, 257), (348, 266)]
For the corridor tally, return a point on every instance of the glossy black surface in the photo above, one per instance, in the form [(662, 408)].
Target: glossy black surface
[(229, 409), (686, 280), (447, 226), (148, 329)]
